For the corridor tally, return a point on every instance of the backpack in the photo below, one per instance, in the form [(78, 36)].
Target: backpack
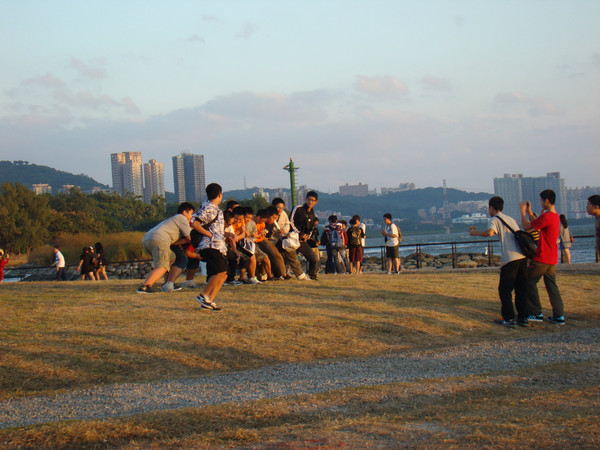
[(355, 237), (525, 241), (337, 237)]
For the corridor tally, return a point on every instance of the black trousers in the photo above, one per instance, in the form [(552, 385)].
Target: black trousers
[(513, 277)]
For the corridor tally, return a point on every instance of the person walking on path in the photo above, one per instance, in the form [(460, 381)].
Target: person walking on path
[(544, 262), (59, 262), (513, 270)]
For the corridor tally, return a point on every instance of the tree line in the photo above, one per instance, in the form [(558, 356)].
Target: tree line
[(29, 220)]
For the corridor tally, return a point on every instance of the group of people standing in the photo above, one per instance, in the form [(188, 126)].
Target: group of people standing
[(92, 263), (520, 274)]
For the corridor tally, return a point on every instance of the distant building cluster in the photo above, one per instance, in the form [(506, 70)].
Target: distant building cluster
[(356, 190), (147, 180), (401, 187), (189, 177), (516, 188)]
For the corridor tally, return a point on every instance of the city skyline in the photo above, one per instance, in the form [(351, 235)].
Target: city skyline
[(376, 92)]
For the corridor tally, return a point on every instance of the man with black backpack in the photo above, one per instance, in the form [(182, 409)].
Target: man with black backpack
[(513, 270)]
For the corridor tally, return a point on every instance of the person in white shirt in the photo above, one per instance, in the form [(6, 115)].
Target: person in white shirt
[(513, 270), (59, 262), (392, 235)]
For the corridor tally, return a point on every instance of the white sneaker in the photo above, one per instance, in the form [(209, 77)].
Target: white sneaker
[(189, 284), (168, 287)]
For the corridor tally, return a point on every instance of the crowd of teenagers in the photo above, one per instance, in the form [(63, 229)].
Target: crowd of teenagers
[(240, 246)]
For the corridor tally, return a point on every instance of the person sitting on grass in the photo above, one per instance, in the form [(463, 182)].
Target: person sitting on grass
[(209, 222), (159, 241)]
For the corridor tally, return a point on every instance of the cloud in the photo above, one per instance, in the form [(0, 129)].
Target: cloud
[(459, 21), (536, 106), (435, 83), (267, 107), (249, 134), (384, 87), (87, 70), (195, 39), (209, 18), (248, 30), (46, 81), (596, 58)]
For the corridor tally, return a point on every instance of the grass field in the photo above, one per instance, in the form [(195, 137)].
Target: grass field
[(59, 336)]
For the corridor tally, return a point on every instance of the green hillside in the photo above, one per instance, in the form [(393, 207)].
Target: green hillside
[(27, 174)]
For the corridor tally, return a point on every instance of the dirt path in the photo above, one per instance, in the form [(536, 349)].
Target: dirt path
[(561, 346)]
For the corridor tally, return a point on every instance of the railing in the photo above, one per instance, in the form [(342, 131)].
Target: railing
[(453, 245), (453, 250)]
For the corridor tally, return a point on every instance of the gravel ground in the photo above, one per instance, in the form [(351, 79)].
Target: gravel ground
[(124, 399)]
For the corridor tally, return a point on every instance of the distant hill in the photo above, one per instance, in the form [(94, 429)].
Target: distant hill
[(403, 204), (28, 174)]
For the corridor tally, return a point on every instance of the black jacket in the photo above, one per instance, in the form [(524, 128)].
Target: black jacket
[(303, 220)]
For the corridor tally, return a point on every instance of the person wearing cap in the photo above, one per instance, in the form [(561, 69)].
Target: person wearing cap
[(3, 262)]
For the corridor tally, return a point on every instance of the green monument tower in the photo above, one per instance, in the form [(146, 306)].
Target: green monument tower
[(292, 170)]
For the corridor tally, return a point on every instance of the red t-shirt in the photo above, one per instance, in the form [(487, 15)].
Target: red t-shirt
[(547, 248)]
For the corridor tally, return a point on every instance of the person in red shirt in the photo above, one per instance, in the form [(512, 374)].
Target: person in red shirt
[(3, 262), (544, 262)]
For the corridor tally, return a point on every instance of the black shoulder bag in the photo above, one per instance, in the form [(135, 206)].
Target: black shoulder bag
[(524, 240)]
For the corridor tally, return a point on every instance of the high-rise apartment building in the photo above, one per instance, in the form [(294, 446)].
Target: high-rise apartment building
[(189, 178), (127, 173), (154, 180), (516, 188)]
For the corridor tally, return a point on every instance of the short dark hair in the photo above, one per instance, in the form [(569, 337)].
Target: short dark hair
[(227, 215), (271, 211), (548, 194), (387, 216), (213, 190), (594, 200), (262, 213), (185, 206), (239, 211), (312, 194), (276, 201), (231, 204), (353, 221), (497, 203), (332, 218), (356, 217), (248, 210)]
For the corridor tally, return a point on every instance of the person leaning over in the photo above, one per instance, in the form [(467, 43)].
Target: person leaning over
[(209, 222), (513, 270), (544, 262), (174, 231), (593, 209)]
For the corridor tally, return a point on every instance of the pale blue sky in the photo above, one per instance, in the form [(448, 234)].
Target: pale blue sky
[(378, 92)]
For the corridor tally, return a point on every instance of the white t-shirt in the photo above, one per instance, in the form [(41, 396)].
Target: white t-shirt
[(510, 248), (392, 229)]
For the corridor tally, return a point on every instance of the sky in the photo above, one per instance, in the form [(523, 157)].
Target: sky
[(374, 92)]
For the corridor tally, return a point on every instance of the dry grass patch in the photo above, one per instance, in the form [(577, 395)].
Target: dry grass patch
[(549, 407), (56, 336)]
